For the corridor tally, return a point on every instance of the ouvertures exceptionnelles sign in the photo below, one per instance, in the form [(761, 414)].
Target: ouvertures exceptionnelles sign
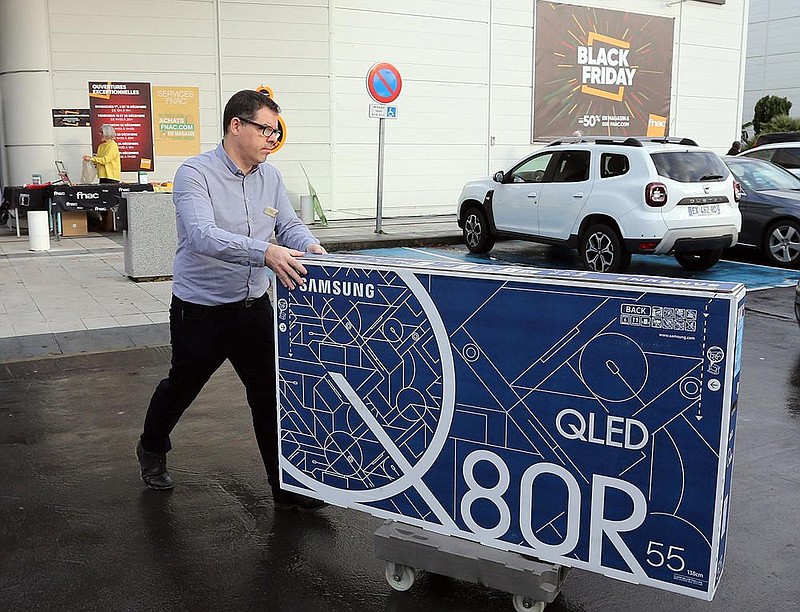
[(125, 106), (585, 419), (600, 72)]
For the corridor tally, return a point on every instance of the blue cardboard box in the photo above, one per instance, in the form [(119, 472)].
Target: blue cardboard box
[(585, 419)]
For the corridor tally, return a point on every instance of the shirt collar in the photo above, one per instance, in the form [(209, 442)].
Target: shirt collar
[(229, 163)]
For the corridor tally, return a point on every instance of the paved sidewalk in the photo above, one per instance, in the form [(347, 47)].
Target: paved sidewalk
[(79, 530), (76, 298)]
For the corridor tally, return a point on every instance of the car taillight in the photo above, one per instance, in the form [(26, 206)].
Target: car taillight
[(738, 191), (655, 194)]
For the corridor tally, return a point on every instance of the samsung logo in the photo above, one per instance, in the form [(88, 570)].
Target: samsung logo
[(337, 287)]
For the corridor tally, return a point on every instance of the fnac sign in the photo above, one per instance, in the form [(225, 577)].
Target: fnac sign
[(267, 91), (656, 126), (264, 89)]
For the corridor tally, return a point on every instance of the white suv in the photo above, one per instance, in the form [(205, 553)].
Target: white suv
[(610, 197)]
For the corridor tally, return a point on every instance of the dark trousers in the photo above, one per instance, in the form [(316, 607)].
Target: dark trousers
[(202, 338)]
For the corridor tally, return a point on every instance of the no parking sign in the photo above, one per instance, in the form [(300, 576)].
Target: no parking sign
[(384, 83)]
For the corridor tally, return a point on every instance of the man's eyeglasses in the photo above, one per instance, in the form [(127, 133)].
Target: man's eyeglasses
[(266, 131)]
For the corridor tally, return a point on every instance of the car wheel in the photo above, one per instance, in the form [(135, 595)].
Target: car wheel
[(782, 243), (695, 261), (477, 236), (603, 251)]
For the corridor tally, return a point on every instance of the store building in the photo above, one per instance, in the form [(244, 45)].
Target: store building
[(473, 98)]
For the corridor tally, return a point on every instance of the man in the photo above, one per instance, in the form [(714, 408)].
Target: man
[(228, 203), (736, 148)]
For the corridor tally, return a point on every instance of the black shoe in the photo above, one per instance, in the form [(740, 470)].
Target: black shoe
[(154, 469), (286, 500)]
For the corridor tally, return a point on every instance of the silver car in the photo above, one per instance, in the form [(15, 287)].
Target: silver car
[(784, 154)]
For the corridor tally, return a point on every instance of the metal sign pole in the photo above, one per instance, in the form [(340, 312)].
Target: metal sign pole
[(378, 217), (383, 84)]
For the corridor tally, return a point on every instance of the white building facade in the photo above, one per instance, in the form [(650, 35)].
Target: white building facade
[(773, 54), (465, 110)]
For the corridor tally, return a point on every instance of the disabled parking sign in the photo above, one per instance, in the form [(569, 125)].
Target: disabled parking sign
[(584, 419)]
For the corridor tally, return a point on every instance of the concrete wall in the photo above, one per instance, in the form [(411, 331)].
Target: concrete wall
[(773, 53), (709, 72), (163, 43), (467, 68), (25, 94)]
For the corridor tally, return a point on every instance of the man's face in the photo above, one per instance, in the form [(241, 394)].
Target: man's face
[(252, 146)]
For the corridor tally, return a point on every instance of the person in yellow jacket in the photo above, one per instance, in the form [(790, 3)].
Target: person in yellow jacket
[(107, 158)]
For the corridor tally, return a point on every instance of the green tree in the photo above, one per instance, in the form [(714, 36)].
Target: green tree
[(782, 123), (767, 108)]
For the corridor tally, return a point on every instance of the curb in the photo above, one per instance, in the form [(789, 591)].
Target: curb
[(389, 242)]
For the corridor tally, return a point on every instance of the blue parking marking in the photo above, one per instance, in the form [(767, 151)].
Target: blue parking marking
[(753, 276)]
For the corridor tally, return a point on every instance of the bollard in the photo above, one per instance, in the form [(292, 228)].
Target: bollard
[(307, 209), (38, 230)]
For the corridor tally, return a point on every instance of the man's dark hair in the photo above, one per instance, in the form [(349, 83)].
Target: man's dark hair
[(245, 104)]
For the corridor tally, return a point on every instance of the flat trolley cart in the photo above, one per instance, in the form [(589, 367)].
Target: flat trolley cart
[(405, 548)]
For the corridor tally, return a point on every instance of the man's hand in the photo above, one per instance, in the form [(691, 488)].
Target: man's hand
[(284, 263), (316, 249)]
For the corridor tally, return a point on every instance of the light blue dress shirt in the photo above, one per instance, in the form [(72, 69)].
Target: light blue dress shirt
[(224, 222)]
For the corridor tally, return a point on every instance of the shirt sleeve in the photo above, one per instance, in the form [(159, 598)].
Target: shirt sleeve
[(290, 231), (195, 213), (106, 153)]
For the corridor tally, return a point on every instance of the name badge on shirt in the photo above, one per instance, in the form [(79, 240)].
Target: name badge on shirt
[(272, 212)]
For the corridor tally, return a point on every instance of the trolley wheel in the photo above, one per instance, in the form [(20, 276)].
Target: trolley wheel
[(527, 604), (400, 577)]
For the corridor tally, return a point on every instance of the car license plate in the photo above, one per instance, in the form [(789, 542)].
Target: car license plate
[(704, 210)]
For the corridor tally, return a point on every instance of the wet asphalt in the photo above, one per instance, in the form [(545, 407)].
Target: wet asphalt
[(79, 531)]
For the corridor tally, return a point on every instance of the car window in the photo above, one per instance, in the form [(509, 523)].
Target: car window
[(764, 154), (788, 158), (532, 170), (690, 166), (572, 167), (772, 137), (613, 164), (762, 176)]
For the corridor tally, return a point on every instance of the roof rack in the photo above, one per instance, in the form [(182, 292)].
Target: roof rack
[(625, 141), (688, 142)]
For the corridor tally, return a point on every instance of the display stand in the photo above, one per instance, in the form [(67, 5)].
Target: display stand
[(99, 198), (405, 548), (17, 199), (15, 214)]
